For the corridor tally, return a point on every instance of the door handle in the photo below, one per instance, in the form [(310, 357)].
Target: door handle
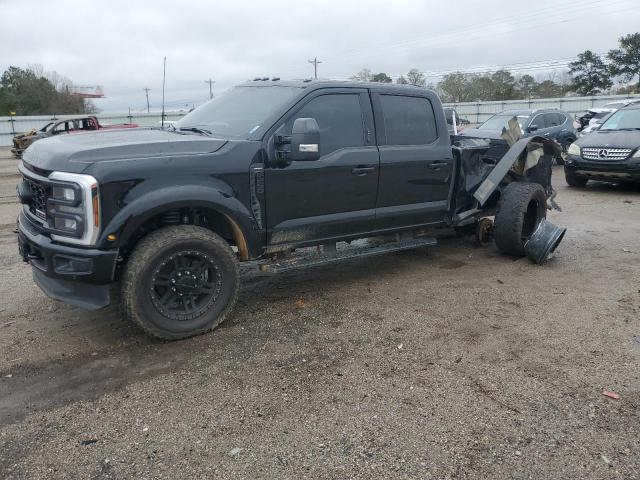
[(437, 165), (362, 170)]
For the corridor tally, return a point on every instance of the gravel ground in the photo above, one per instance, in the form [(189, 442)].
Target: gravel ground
[(449, 362)]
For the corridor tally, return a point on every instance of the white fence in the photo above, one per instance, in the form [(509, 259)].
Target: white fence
[(10, 126), (478, 112), (475, 112)]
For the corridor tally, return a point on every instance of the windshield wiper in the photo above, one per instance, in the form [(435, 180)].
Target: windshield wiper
[(201, 131)]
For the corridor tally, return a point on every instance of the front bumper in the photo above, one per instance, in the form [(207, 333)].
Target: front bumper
[(77, 276), (612, 171)]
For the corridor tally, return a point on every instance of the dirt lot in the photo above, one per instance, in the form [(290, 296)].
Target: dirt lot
[(451, 362)]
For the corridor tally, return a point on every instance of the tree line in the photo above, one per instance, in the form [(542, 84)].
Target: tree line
[(32, 91), (589, 74)]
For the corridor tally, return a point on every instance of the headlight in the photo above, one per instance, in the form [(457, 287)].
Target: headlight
[(73, 209), (65, 224), (68, 194), (573, 149), (637, 154)]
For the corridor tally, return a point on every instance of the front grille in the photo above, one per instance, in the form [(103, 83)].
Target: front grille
[(605, 153), (40, 192)]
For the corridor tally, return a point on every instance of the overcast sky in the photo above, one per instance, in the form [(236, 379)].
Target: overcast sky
[(120, 44)]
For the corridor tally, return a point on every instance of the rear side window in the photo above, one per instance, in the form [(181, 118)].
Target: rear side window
[(408, 120), (339, 118), (554, 119)]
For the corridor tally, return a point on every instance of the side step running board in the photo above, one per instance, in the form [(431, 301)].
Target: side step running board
[(317, 259)]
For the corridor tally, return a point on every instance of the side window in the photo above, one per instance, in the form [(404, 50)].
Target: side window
[(539, 121), (408, 120), (339, 118), (553, 119)]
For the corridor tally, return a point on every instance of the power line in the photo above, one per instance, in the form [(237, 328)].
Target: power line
[(210, 82), (512, 23), (315, 62)]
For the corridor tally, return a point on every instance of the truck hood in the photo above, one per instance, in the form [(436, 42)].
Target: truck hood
[(75, 153), (611, 138)]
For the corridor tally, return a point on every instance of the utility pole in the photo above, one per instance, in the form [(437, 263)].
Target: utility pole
[(315, 62), (210, 82), (164, 76), (146, 91)]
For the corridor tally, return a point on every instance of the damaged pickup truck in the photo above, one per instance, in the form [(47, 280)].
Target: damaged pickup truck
[(259, 175), (70, 125)]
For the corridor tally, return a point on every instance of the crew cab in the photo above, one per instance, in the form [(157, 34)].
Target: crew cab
[(70, 125), (609, 153), (259, 175)]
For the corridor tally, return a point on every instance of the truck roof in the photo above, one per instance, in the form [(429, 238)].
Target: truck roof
[(267, 82)]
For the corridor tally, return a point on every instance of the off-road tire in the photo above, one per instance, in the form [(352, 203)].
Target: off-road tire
[(573, 180), (521, 207), (137, 281)]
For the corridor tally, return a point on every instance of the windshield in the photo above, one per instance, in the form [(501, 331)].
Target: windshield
[(498, 122), (239, 111), (622, 120)]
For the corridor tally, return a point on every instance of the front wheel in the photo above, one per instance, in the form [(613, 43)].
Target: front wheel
[(180, 281), (574, 180)]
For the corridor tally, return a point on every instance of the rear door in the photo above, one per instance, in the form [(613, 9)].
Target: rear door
[(554, 122), (416, 162)]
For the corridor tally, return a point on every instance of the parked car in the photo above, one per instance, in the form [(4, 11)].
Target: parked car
[(74, 125), (595, 117), (610, 153), (549, 123), (256, 175)]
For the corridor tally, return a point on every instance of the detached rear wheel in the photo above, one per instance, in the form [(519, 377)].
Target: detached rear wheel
[(179, 282), (521, 208)]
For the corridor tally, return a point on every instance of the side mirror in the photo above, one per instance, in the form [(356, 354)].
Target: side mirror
[(305, 140), (533, 128)]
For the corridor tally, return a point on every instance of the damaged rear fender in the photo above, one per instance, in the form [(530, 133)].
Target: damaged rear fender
[(537, 170)]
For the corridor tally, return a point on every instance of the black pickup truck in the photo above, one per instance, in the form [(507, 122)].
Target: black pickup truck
[(258, 175)]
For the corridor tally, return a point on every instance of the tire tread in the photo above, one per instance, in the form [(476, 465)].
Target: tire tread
[(140, 258), (509, 219)]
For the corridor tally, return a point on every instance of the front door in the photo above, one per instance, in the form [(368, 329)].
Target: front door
[(416, 162), (333, 196)]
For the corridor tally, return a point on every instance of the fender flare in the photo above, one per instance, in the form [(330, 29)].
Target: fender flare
[(127, 221)]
